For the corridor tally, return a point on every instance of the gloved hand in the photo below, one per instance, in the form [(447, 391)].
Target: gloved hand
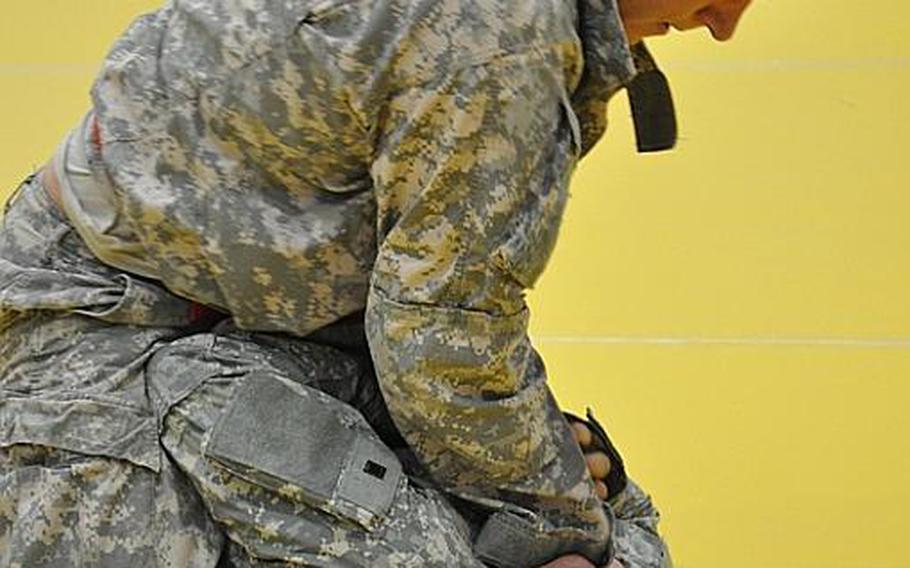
[(604, 461), (606, 468)]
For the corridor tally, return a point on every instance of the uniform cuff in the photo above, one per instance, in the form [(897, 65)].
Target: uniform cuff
[(512, 540)]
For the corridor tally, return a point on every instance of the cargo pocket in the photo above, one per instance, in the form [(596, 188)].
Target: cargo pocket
[(308, 447)]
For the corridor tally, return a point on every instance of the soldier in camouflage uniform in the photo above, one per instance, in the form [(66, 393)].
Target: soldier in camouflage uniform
[(183, 381)]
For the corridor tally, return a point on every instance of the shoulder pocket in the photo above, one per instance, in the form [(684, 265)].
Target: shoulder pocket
[(306, 446)]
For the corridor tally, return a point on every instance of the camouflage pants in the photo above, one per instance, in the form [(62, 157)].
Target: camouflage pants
[(129, 435)]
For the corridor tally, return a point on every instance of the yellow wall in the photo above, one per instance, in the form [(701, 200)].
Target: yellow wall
[(737, 310)]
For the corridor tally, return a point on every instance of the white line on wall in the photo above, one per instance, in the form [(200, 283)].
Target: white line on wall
[(48, 68), (873, 343)]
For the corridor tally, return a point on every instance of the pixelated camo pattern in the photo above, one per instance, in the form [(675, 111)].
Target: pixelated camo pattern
[(292, 162), (89, 400)]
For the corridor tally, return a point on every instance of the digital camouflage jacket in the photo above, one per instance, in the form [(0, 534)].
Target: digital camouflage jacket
[(291, 162)]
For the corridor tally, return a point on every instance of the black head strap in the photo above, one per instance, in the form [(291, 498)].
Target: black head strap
[(652, 104)]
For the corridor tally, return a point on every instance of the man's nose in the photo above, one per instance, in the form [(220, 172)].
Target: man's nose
[(723, 19)]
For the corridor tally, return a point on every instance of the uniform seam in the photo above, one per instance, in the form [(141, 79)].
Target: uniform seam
[(484, 59), (429, 305), (487, 59)]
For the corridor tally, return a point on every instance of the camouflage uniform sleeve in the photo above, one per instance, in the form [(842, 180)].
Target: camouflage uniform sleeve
[(471, 176)]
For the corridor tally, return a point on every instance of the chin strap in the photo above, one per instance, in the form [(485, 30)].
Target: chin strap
[(652, 104)]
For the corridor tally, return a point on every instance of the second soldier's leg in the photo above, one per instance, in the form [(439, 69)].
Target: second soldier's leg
[(294, 475), (81, 479), (60, 509)]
